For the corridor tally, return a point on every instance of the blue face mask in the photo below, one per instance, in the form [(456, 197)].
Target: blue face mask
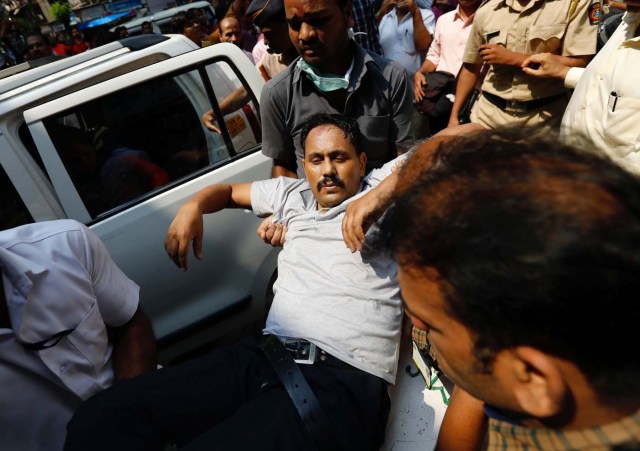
[(325, 82)]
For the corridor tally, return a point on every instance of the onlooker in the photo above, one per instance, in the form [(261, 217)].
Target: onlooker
[(146, 27), (334, 74), (269, 16), (121, 32), (62, 48), (230, 32), (604, 104), (503, 34), (38, 46), (78, 44), (513, 249), (13, 37), (365, 26), (445, 53), (406, 32), (70, 326), (346, 339)]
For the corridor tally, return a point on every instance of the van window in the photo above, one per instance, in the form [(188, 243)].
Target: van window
[(122, 147), (13, 211)]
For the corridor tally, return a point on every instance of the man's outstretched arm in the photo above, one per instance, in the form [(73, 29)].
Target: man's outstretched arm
[(187, 225)]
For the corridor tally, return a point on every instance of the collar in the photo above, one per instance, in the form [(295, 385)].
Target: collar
[(458, 16), (516, 6), (625, 431)]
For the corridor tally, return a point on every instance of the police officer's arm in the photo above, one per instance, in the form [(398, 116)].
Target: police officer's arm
[(134, 350), (498, 54), (467, 79), (186, 228)]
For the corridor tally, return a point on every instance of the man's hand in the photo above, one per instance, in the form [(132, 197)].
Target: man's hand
[(545, 65), (385, 7), (359, 216), (185, 228), (498, 54), (408, 5), (209, 121), (419, 84), (270, 233)]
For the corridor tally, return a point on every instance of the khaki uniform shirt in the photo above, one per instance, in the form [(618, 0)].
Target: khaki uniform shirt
[(539, 26)]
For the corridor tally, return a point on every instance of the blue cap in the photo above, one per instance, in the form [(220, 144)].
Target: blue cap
[(263, 11)]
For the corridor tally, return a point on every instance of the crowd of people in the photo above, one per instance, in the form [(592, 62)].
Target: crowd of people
[(510, 236)]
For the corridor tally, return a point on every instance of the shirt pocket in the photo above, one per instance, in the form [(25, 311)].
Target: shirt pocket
[(620, 126), (544, 38)]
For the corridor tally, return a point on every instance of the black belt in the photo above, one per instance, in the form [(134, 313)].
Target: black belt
[(515, 106), (309, 409)]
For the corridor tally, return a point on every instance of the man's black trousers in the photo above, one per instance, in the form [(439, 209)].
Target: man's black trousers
[(230, 399)]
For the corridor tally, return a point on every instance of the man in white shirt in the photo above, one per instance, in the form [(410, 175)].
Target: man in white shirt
[(338, 312), (70, 326), (605, 106)]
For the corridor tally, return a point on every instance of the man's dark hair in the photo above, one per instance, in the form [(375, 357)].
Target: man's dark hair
[(535, 243), (348, 126), (44, 38)]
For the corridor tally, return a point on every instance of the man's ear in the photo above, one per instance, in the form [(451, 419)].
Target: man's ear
[(540, 387), (363, 163)]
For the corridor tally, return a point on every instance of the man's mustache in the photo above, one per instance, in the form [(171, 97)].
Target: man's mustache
[(332, 179)]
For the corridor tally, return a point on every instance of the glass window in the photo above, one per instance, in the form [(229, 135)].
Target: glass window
[(241, 117), (120, 147)]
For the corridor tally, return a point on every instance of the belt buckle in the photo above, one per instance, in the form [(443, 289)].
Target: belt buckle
[(303, 352), (514, 106)]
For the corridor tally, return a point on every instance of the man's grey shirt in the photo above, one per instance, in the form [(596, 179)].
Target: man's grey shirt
[(346, 303), (380, 99)]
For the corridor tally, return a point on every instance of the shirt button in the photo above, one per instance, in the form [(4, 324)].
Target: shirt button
[(63, 368)]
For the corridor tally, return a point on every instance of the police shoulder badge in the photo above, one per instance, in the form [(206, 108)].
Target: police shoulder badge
[(595, 12)]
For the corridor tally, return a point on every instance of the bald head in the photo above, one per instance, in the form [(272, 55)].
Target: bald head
[(230, 31)]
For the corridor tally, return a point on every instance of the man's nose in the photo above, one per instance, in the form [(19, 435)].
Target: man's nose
[(307, 32), (328, 168)]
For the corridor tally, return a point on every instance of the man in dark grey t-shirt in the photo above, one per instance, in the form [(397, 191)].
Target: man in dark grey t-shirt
[(334, 75)]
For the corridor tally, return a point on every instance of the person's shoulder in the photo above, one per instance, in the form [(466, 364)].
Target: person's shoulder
[(40, 231), (382, 62), (283, 79)]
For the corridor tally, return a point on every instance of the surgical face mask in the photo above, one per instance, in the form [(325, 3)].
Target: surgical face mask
[(325, 82)]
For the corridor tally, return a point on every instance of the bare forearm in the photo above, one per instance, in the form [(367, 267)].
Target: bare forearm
[(134, 350), (234, 101), (466, 81), (427, 67), (421, 36)]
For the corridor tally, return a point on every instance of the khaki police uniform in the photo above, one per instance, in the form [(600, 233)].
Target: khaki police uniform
[(563, 27)]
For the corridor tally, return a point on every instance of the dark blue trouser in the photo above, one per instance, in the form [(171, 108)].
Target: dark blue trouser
[(230, 399)]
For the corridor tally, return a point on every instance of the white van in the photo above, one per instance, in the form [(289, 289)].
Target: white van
[(114, 139), (161, 21)]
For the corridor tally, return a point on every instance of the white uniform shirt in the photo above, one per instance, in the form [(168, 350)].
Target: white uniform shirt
[(591, 111), (57, 276), (396, 38), (346, 303)]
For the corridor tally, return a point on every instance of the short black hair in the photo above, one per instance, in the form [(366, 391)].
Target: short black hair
[(535, 243), (347, 125)]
